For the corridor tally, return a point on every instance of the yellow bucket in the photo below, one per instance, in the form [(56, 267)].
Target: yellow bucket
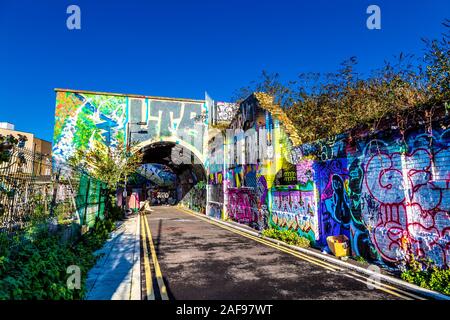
[(339, 245)]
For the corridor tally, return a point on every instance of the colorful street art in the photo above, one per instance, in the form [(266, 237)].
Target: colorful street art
[(84, 117), (388, 192), (339, 209), (242, 206), (81, 119), (389, 196), (158, 174), (225, 112), (406, 196), (293, 205), (215, 210), (295, 210)]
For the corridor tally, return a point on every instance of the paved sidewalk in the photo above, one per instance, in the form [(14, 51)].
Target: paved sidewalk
[(116, 276)]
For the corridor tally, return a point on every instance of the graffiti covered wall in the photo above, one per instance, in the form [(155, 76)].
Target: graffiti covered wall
[(405, 196), (253, 156), (388, 192), (294, 206), (84, 117)]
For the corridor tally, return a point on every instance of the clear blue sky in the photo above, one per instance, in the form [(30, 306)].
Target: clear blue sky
[(182, 48)]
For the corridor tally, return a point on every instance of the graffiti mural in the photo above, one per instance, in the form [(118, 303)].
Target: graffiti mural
[(389, 196), (293, 205), (158, 174), (263, 202), (242, 206), (169, 119), (215, 210), (295, 210), (406, 199), (195, 198), (224, 112), (84, 117), (387, 192), (360, 238), (81, 119)]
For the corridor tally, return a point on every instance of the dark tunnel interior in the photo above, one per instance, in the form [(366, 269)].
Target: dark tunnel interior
[(169, 174)]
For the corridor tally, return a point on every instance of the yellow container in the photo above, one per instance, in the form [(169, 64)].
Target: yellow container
[(339, 245)]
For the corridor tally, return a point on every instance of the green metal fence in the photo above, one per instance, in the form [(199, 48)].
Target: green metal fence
[(91, 200)]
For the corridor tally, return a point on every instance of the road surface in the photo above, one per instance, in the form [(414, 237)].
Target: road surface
[(191, 258)]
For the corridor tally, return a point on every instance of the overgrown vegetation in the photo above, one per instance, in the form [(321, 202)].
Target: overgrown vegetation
[(110, 165), (426, 275), (287, 236), (323, 105), (33, 264)]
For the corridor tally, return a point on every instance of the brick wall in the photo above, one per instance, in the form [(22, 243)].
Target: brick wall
[(388, 193)]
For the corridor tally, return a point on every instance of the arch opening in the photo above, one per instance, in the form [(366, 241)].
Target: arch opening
[(169, 175)]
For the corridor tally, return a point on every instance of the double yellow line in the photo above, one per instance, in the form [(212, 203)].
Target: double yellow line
[(149, 285), (328, 266)]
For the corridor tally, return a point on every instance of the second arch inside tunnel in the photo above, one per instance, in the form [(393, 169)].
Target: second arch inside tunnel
[(169, 174)]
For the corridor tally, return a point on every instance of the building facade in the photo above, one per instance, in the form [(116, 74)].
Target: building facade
[(32, 155)]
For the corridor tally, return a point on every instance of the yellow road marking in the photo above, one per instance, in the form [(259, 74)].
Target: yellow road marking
[(148, 275), (379, 286), (159, 277)]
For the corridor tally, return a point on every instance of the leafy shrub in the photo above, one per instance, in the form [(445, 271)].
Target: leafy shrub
[(360, 259), (115, 213), (430, 277), (288, 236), (34, 264)]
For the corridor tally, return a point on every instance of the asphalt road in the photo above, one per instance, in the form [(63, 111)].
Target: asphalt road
[(199, 260)]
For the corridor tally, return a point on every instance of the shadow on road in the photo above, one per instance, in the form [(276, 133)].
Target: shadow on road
[(158, 237)]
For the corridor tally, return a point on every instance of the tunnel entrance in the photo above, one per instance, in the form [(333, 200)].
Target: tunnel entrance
[(169, 175)]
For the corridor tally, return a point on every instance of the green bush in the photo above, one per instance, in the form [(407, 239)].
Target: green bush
[(33, 265), (115, 213), (423, 274), (288, 236)]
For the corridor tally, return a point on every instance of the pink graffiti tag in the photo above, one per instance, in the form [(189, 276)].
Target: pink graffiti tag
[(242, 205)]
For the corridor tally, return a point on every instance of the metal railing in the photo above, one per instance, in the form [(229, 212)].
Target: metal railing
[(32, 187)]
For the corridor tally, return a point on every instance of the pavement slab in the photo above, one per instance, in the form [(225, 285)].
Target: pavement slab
[(116, 275)]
